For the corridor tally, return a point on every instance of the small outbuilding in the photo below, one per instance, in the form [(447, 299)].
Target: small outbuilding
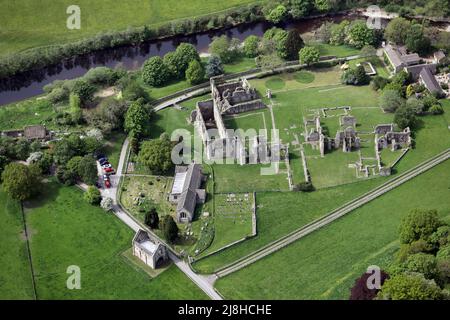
[(151, 252)]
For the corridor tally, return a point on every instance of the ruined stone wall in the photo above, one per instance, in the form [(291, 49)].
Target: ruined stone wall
[(245, 107)]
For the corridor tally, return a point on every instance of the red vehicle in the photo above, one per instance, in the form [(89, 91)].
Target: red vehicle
[(108, 170), (107, 184)]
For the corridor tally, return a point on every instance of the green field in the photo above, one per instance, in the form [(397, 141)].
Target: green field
[(325, 264), (33, 23), (15, 272), (67, 231)]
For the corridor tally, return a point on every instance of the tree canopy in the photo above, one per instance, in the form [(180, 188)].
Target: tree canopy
[(156, 155), (21, 182)]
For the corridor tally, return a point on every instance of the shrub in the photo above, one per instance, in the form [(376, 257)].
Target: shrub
[(152, 219), (169, 229), (360, 290), (195, 73), (304, 187), (155, 72), (251, 46), (83, 90), (214, 67), (419, 224), (101, 76), (92, 195), (309, 55), (436, 109)]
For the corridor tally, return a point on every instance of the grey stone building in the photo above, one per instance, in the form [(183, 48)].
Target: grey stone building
[(186, 191), (148, 250)]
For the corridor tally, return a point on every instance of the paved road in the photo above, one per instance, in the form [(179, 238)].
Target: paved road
[(350, 206)]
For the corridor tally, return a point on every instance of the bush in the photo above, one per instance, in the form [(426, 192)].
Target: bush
[(360, 291), (436, 109), (155, 72), (278, 14), (419, 224), (195, 73), (21, 182), (102, 76), (214, 67), (251, 46), (92, 195), (405, 117), (304, 187), (309, 55), (169, 229), (152, 219), (378, 83), (83, 90), (107, 204)]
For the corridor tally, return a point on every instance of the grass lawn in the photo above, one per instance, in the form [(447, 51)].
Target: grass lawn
[(28, 112), (68, 231), (15, 272), (279, 213), (247, 178), (325, 264), (24, 24), (331, 50), (256, 120), (275, 83), (239, 65)]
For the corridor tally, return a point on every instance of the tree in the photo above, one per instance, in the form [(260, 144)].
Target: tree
[(75, 108), (22, 149), (415, 104), (390, 100), (171, 60), (368, 51), (152, 219), (20, 181), (84, 91), (156, 155), (378, 83), (195, 73), (300, 8), (416, 41), (359, 35), (3, 162), (213, 67), (113, 111), (339, 32), (107, 204), (269, 61), (224, 47), (360, 290), (92, 195), (251, 46), (137, 120), (397, 30), (355, 76), (309, 55), (184, 54), (323, 33), (278, 14), (410, 287), (87, 170), (405, 117), (304, 187), (293, 44), (155, 72), (419, 224), (169, 228), (422, 263)]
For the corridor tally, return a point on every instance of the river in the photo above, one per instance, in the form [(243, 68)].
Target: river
[(31, 84)]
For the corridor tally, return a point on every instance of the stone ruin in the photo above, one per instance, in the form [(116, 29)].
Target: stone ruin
[(396, 140), (347, 138), (230, 98)]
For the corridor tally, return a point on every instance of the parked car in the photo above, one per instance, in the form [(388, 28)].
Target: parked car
[(108, 184), (107, 165), (108, 170), (105, 177), (103, 161), (101, 156)]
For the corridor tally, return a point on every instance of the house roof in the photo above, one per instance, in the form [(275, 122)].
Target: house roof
[(187, 181), (394, 55), (415, 70), (35, 132), (143, 240), (430, 81)]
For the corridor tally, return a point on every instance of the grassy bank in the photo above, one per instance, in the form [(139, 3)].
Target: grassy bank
[(28, 23)]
